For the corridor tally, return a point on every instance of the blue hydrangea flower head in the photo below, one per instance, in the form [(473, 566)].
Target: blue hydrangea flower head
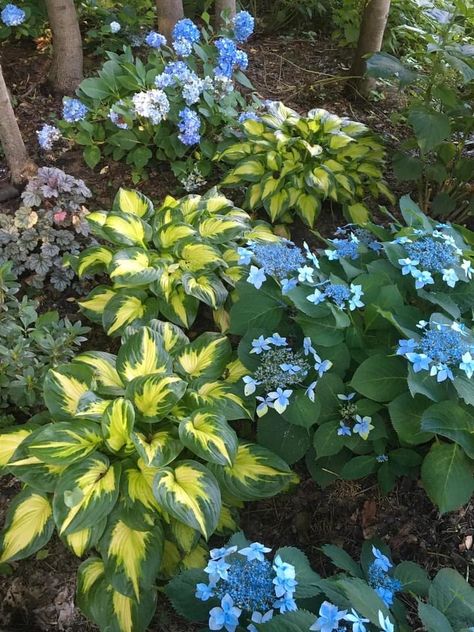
[(155, 40), (12, 15), (151, 104), (186, 29), (244, 24), (248, 116), (189, 126), (226, 61), (381, 560), (47, 136), (343, 248), (74, 110), (115, 27), (280, 259)]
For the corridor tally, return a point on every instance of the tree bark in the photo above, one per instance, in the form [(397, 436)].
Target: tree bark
[(169, 12), (66, 69), (21, 166), (221, 6), (372, 28)]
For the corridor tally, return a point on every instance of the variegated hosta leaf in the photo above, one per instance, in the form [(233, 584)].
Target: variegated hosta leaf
[(207, 288), (180, 308), (185, 537), (82, 541), (261, 231), (132, 556), (171, 234), (228, 521), (31, 470), (86, 493), (64, 387), (93, 260), (133, 202), (221, 317), (136, 492), (127, 307), (10, 439), (29, 526), (96, 220), (219, 396), (196, 558), (206, 356), (132, 267), (209, 436), (235, 371), (158, 448), (155, 395), (125, 229), (117, 425), (196, 257), (220, 229), (107, 607), (191, 494), (255, 473), (171, 560), (173, 336), (143, 354), (94, 305), (105, 373), (66, 442), (91, 406)]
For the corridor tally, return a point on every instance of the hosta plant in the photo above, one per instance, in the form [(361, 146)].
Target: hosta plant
[(167, 260), (293, 163), (174, 105), (48, 225), (245, 586), (391, 309), (137, 467)]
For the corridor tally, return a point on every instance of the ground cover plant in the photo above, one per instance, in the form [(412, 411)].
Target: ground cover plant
[(167, 260), (360, 356), (292, 164), (134, 464), (241, 586)]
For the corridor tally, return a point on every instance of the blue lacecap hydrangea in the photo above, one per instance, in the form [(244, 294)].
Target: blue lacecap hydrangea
[(339, 294), (247, 586), (442, 349), (74, 110), (12, 15)]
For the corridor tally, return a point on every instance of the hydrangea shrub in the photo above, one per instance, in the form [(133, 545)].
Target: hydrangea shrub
[(138, 466), (173, 106), (388, 311), (168, 260), (293, 163), (242, 589), (49, 225)]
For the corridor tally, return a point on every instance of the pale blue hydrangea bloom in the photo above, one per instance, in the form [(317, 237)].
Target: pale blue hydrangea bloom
[(117, 118), (189, 126), (385, 624), (185, 34), (155, 40), (152, 105), (329, 618), (248, 116), (357, 621), (280, 399), (255, 551), (74, 110), (115, 27), (225, 617), (244, 24), (12, 15), (256, 277), (363, 426), (47, 136)]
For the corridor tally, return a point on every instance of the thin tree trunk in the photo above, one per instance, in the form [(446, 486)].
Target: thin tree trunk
[(169, 12), (21, 167), (223, 6), (372, 28), (66, 69)]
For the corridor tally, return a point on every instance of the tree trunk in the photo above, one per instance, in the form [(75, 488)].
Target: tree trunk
[(66, 69), (372, 28), (223, 6), (21, 167), (169, 12)]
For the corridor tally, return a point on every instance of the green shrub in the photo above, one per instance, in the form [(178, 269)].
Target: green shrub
[(166, 260), (30, 344), (49, 225), (139, 464), (295, 163), (391, 310)]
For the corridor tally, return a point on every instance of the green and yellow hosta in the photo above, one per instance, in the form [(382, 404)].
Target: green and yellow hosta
[(167, 260), (293, 163), (134, 465)]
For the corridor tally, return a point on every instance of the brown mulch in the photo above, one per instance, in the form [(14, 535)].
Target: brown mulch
[(38, 596)]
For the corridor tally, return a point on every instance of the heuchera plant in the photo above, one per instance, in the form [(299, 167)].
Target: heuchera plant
[(390, 309), (242, 589), (168, 260), (174, 106), (294, 163), (48, 226), (138, 466)]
